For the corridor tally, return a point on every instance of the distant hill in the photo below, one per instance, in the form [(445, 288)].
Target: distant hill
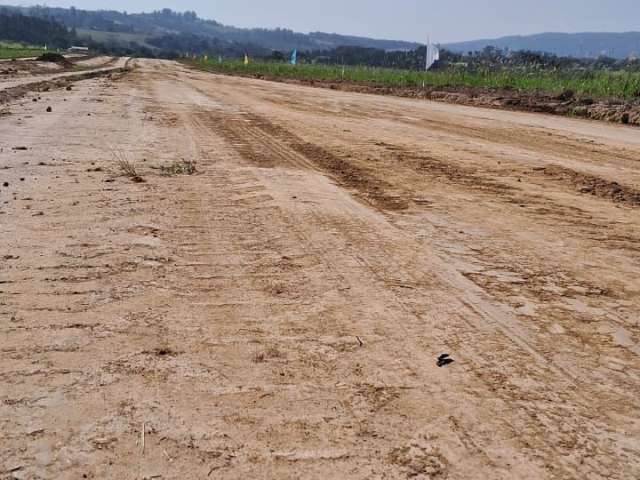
[(582, 45), (166, 30), (168, 22)]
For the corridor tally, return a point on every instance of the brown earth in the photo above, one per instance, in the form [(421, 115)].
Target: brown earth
[(282, 312)]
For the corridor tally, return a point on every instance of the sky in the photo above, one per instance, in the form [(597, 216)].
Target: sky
[(444, 20)]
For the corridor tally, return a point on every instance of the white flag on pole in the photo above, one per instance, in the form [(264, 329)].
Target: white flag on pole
[(433, 54)]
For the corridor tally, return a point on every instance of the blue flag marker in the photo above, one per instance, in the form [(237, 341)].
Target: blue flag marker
[(294, 57)]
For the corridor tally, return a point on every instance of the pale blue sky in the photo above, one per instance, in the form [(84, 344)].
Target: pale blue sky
[(445, 20)]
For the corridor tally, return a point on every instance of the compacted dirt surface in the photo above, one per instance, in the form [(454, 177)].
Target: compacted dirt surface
[(285, 311)]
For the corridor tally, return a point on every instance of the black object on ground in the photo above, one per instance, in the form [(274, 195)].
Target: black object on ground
[(444, 360)]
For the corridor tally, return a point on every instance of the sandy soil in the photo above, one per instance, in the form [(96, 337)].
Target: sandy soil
[(281, 313)]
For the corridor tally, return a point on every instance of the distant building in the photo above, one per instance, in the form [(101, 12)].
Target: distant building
[(78, 49)]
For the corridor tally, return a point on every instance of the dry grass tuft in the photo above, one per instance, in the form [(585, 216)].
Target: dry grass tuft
[(126, 166), (258, 357), (183, 167), (271, 353), (274, 352)]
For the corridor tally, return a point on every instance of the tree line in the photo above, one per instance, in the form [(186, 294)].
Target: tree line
[(34, 31)]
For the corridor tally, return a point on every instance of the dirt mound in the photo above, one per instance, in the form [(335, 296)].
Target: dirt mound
[(596, 186), (53, 57)]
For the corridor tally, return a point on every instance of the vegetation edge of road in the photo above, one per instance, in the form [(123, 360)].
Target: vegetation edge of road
[(566, 103)]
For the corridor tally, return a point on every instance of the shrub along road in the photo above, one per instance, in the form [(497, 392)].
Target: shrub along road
[(349, 286)]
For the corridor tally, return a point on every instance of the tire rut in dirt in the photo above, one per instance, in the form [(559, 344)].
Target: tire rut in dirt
[(268, 145), (593, 185)]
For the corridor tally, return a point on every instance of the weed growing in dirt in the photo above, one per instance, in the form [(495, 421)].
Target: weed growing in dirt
[(127, 167), (270, 353), (183, 167), (258, 357)]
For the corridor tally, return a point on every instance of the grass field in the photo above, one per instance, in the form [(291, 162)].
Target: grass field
[(13, 50), (593, 84), (119, 38)]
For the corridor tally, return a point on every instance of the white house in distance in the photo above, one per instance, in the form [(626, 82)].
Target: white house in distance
[(78, 49)]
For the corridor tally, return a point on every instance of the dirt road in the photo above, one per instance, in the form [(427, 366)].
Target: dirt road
[(280, 314)]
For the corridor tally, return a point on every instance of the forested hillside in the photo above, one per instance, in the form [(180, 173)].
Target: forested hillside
[(166, 22), (592, 45), (36, 31)]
